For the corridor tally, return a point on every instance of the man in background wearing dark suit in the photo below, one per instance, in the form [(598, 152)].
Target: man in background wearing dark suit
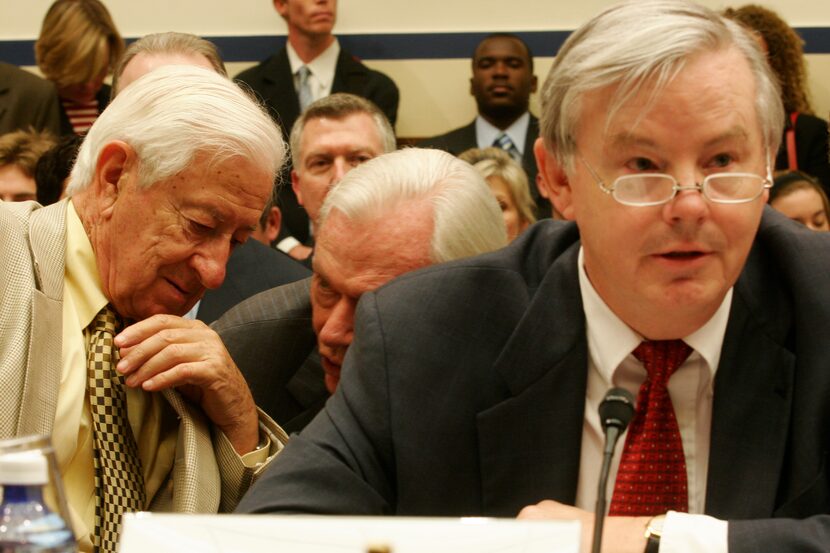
[(27, 100), (471, 388), (501, 84), (312, 65)]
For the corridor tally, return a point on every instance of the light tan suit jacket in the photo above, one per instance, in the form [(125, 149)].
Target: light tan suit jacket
[(207, 475)]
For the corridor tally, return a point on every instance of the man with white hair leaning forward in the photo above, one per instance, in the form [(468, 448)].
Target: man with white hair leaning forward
[(146, 410)]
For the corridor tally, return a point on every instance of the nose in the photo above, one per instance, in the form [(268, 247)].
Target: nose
[(689, 204), (340, 168), (210, 261), (338, 330)]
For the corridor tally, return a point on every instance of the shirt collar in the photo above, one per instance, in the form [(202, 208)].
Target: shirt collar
[(610, 340), (322, 67), (82, 280), (486, 133)]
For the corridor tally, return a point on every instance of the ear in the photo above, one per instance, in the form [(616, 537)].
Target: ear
[(272, 224), (553, 182), (115, 169), (295, 186), (282, 8), (534, 83)]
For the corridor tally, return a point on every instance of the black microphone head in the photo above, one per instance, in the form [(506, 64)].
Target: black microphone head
[(616, 409)]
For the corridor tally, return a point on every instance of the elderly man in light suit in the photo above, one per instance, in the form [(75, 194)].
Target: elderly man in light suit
[(169, 179)]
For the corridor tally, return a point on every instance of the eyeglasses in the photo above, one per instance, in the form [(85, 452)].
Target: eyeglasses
[(648, 189)]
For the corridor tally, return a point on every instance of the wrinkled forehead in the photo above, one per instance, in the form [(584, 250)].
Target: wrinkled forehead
[(712, 92)]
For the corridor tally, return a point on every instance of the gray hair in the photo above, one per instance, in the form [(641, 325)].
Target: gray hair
[(338, 106), (467, 217), (169, 43), (496, 162), (643, 45), (170, 115)]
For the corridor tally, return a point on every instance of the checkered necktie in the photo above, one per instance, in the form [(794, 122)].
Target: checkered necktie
[(651, 479), (304, 90), (505, 143), (119, 485)]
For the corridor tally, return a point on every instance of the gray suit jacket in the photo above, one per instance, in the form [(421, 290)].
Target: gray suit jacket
[(463, 393), (207, 475), (270, 338)]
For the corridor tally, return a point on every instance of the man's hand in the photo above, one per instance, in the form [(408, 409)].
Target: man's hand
[(300, 252), (619, 534), (166, 351)]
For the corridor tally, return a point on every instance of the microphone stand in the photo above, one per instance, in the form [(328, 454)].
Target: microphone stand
[(615, 412), (611, 436)]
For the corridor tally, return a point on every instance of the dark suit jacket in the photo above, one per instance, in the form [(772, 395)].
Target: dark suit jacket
[(811, 149), (464, 138), (273, 82), (270, 338), (26, 100), (103, 96), (463, 393), (252, 268)]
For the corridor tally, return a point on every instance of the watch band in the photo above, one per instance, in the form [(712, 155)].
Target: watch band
[(654, 530)]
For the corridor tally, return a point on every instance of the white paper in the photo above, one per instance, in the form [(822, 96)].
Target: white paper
[(170, 533)]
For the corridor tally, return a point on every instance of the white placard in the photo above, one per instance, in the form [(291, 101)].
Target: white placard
[(170, 533)]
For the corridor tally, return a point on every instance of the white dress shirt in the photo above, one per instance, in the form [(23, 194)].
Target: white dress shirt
[(321, 69), (486, 133), (691, 387)]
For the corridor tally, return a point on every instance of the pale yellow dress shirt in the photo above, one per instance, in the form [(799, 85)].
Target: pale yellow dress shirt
[(152, 420)]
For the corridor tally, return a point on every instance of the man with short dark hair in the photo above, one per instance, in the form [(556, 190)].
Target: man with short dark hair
[(501, 84), (472, 388)]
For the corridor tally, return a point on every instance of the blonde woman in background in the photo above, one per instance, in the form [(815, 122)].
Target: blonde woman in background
[(508, 182), (78, 47)]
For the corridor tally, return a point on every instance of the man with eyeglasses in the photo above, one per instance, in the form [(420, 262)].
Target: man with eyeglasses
[(472, 388)]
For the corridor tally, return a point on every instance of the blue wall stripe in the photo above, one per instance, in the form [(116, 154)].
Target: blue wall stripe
[(391, 46)]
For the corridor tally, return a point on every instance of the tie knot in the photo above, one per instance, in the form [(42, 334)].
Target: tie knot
[(107, 320), (303, 72), (504, 142), (662, 357)]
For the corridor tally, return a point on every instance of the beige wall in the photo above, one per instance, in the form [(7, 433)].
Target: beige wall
[(434, 93)]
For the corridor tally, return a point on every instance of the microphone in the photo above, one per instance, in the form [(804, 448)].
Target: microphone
[(615, 412)]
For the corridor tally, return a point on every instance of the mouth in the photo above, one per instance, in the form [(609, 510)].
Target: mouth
[(500, 90), (684, 255)]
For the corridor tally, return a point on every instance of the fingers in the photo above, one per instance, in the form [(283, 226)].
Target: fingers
[(172, 357)]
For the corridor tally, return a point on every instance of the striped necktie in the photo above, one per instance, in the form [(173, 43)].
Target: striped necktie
[(119, 484), (505, 143), (652, 478)]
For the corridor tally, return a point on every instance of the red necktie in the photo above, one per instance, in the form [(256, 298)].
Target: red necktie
[(651, 479)]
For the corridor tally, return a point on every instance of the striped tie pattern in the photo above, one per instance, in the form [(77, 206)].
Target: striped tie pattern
[(119, 484), (505, 143), (652, 478)]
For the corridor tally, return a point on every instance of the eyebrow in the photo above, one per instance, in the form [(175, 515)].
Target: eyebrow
[(632, 139)]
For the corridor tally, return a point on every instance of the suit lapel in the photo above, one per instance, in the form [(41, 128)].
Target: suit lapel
[(196, 479), (281, 96), (47, 237), (530, 443), (751, 411)]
